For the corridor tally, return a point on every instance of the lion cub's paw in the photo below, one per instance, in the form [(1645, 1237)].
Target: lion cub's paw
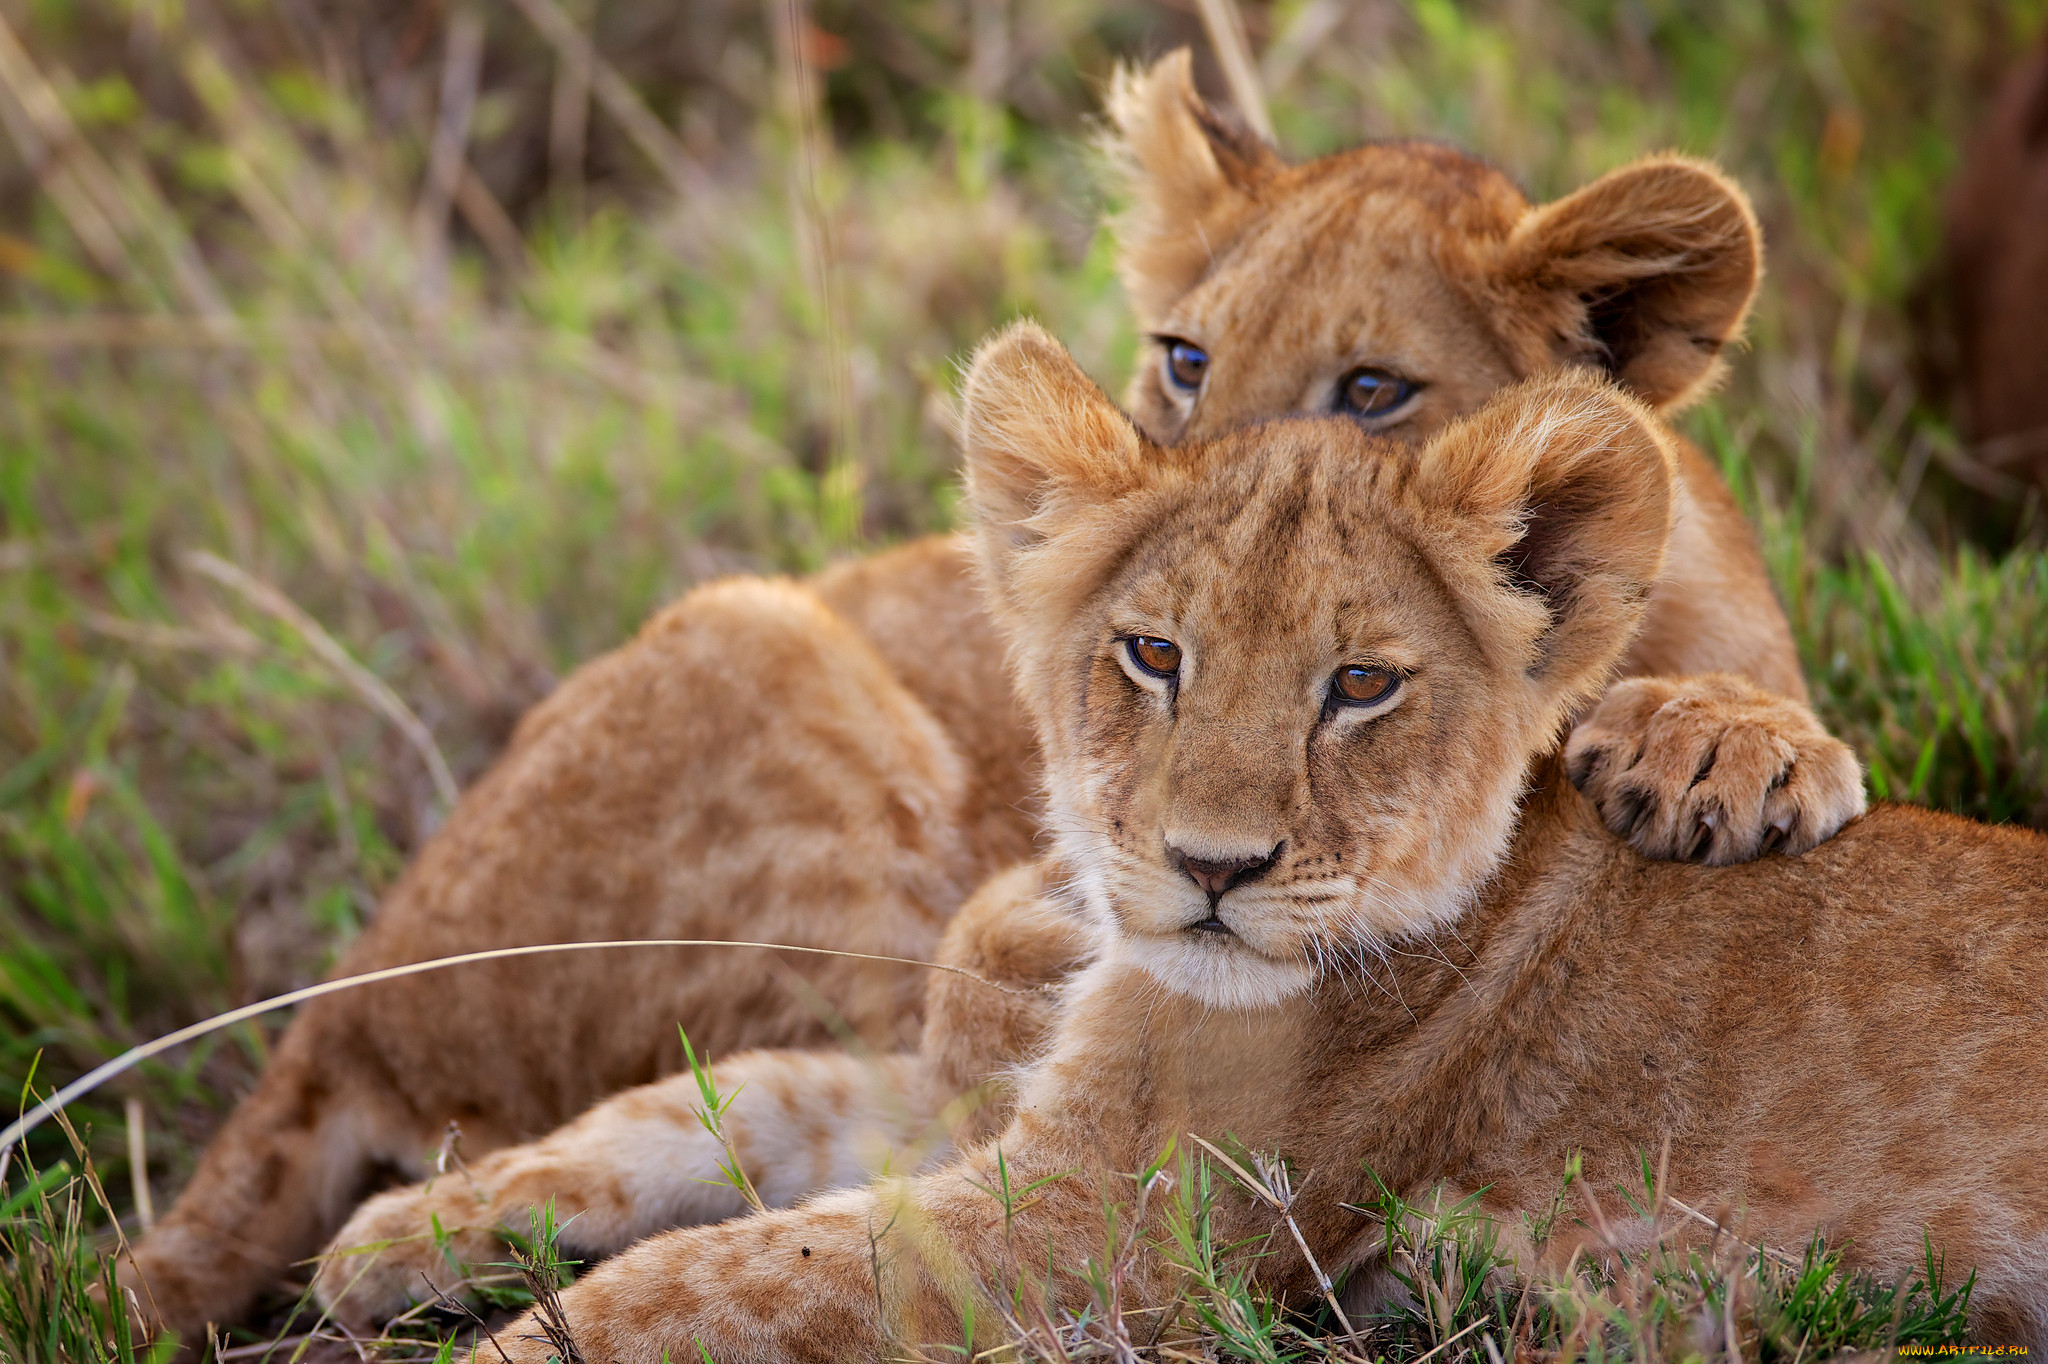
[(388, 1256), (1712, 769)]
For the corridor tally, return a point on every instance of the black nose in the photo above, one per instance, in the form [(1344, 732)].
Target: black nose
[(1216, 877)]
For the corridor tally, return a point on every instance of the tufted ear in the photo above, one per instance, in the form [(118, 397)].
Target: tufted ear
[(1043, 446), (1648, 273), (1562, 488), (1191, 176)]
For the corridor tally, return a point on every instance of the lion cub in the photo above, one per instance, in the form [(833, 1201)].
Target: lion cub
[(1321, 885), (838, 763)]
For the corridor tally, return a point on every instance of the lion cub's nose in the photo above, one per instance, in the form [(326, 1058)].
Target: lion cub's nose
[(1216, 876)]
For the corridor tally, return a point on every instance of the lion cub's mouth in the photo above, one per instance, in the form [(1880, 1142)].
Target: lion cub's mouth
[(1212, 924)]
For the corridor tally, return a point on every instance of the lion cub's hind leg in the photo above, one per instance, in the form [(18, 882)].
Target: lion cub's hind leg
[(1712, 769)]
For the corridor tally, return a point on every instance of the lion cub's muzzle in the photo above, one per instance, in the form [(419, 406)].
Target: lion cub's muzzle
[(1217, 876)]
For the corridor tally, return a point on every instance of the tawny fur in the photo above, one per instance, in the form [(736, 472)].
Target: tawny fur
[(839, 762), (1845, 1042)]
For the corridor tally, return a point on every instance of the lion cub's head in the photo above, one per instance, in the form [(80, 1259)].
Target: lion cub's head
[(1289, 681), (1402, 283)]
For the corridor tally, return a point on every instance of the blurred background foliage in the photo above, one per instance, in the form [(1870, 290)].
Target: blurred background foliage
[(369, 365)]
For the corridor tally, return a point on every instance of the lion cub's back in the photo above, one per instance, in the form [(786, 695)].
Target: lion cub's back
[(1885, 1053), (1926, 908)]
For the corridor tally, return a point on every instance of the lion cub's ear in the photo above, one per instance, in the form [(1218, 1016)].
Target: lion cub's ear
[(1561, 486), (1650, 270), (1044, 446), (1192, 177)]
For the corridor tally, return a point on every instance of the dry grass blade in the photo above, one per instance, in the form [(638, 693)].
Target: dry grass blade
[(129, 1059), (1272, 1186), (540, 1280), (446, 158), (118, 331), (365, 683), (110, 211), (1310, 26), (456, 1305), (620, 100), (801, 99), (1225, 27), (1790, 1261), (489, 220), (569, 125), (138, 1163), (1452, 1341), (219, 637), (36, 120)]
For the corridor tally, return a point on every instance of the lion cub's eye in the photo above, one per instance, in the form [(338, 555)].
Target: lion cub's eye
[(1186, 363), (1159, 657), (1372, 392), (1359, 685)]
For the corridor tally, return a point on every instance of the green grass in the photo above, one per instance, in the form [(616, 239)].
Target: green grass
[(1455, 1294), (1931, 669), (477, 462), (1685, 1295), (59, 1303)]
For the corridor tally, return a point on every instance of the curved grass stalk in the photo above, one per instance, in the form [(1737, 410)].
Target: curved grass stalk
[(127, 1060)]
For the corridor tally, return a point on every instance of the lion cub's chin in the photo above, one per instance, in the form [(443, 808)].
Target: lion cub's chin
[(1221, 972)]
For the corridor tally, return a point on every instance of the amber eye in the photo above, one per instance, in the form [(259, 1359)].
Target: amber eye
[(1159, 657), (1186, 363), (1359, 685), (1372, 392)]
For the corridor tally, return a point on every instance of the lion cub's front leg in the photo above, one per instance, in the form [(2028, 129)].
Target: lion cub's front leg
[(635, 1165), (868, 1274), (642, 1163), (1712, 769), (899, 1269)]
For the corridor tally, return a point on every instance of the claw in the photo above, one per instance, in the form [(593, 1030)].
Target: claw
[(1645, 811), (1702, 840), (1625, 812), (1775, 837)]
